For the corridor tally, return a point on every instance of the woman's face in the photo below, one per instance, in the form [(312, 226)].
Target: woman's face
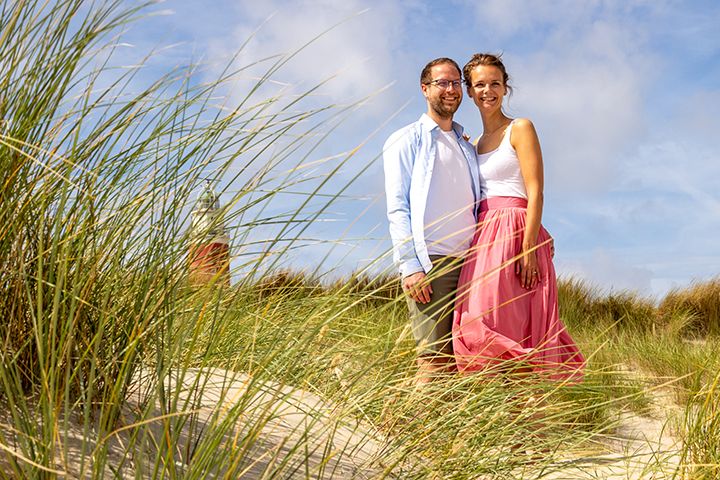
[(487, 88)]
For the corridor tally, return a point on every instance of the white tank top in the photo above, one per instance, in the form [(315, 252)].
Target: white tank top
[(500, 170)]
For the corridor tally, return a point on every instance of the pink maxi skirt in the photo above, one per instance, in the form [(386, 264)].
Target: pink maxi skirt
[(496, 319)]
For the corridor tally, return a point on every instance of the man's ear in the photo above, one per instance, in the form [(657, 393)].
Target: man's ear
[(424, 88)]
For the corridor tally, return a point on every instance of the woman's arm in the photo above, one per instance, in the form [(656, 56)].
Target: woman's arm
[(525, 141)]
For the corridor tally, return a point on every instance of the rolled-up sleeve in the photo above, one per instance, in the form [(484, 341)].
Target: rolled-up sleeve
[(398, 158)]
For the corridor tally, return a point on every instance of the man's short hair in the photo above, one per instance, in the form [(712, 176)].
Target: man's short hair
[(425, 75)]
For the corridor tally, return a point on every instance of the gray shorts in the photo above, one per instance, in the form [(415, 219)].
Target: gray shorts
[(432, 322)]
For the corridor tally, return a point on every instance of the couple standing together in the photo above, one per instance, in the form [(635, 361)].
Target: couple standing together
[(475, 261)]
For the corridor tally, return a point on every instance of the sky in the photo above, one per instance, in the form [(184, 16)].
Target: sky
[(624, 95)]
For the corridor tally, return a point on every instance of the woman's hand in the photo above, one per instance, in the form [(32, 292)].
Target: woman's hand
[(527, 269)]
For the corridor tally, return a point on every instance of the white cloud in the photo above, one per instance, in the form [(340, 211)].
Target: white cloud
[(624, 96), (580, 70), (354, 52), (610, 270), (679, 169), (657, 227), (508, 17)]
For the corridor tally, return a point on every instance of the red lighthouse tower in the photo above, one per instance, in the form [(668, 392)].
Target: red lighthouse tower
[(209, 253)]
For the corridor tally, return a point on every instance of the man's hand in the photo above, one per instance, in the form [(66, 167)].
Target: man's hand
[(416, 286)]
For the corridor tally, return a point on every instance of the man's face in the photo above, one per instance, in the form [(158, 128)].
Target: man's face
[(444, 101)]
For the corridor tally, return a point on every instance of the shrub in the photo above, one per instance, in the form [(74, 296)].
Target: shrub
[(699, 304), (583, 305)]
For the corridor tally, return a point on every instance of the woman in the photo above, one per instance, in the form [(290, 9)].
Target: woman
[(507, 305)]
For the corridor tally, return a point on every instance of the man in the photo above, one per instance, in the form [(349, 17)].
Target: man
[(433, 188)]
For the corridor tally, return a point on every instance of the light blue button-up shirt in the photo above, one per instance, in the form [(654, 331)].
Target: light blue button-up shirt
[(408, 160)]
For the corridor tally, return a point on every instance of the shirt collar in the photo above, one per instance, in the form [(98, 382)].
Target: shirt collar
[(431, 125)]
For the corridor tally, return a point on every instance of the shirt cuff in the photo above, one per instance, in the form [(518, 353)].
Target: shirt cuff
[(410, 267)]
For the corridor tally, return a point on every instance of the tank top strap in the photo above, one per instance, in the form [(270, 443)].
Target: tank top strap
[(508, 130)]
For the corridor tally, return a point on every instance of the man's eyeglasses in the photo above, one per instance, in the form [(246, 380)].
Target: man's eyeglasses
[(444, 84)]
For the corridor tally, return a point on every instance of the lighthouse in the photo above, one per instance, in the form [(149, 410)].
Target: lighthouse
[(209, 252)]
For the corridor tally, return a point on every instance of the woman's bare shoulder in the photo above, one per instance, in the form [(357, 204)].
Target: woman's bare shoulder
[(522, 129), (523, 124)]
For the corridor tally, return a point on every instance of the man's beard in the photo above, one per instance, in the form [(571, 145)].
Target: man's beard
[(442, 110)]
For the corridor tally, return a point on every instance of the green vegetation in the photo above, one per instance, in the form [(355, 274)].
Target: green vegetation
[(110, 363), (697, 307), (701, 455)]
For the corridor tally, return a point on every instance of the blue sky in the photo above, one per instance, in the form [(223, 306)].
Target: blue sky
[(624, 94)]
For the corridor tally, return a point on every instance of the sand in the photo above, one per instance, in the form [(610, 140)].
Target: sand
[(292, 433)]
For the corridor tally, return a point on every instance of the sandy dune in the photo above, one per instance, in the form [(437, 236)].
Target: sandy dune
[(291, 433)]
